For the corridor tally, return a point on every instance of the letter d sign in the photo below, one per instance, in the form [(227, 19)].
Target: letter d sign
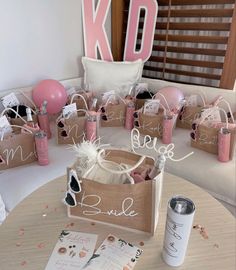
[(151, 8)]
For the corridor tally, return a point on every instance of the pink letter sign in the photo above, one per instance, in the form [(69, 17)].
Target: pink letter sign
[(151, 8), (95, 36)]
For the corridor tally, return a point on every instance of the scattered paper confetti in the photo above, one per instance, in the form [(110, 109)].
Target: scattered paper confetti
[(18, 244), (41, 245), (93, 223), (216, 246), (141, 244), (23, 263), (46, 206), (201, 230), (21, 232), (44, 215), (204, 233), (72, 224)]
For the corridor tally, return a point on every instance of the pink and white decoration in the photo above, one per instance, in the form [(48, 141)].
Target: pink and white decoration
[(151, 9), (95, 36)]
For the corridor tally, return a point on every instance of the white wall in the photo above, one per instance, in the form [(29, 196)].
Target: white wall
[(40, 39)]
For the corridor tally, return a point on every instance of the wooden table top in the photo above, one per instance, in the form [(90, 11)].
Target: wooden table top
[(30, 232)]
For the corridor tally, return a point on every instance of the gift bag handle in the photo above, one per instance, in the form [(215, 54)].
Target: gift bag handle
[(114, 95), (160, 94), (135, 96), (202, 99), (30, 100), (78, 95), (16, 113), (219, 100), (21, 127), (100, 161), (79, 110)]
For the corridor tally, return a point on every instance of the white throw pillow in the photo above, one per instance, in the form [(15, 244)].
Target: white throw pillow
[(101, 76)]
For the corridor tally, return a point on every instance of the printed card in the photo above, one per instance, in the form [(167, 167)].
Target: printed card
[(10, 100), (151, 107), (69, 110), (211, 114), (114, 254), (72, 251), (5, 127)]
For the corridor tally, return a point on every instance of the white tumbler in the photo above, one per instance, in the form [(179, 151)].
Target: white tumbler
[(180, 213)]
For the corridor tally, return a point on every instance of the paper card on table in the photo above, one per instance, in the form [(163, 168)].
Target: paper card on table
[(10, 100), (72, 251), (69, 110), (5, 126), (114, 254)]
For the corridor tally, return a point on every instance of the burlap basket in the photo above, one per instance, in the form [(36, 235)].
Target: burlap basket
[(131, 206)]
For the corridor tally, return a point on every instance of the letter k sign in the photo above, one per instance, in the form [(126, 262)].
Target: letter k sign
[(95, 37)]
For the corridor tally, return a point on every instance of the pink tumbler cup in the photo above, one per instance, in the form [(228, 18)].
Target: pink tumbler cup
[(44, 124), (129, 119), (41, 142), (91, 127), (167, 129), (224, 145)]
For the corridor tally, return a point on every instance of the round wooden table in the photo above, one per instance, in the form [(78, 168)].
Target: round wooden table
[(30, 232)]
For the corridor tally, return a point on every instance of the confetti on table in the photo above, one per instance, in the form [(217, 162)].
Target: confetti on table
[(21, 232), (44, 215), (69, 225), (204, 233), (18, 244), (216, 246), (41, 245), (46, 206), (201, 230), (141, 244), (23, 263), (93, 223)]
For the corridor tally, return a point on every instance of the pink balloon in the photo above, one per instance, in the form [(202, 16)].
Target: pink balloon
[(173, 96), (53, 92)]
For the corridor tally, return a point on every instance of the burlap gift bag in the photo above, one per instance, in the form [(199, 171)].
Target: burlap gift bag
[(151, 125), (82, 99), (17, 149), (18, 120), (204, 135), (136, 206), (70, 130), (113, 115), (187, 115)]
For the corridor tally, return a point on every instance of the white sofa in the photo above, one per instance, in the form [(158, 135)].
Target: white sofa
[(202, 168)]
